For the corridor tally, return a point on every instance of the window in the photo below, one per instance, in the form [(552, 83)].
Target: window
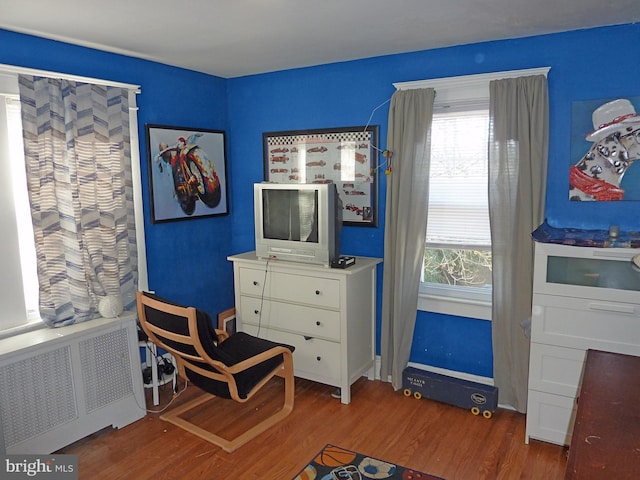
[(456, 276), (457, 258), (21, 227), (18, 280), (18, 276)]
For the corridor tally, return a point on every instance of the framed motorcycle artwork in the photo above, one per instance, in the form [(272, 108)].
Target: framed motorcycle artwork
[(187, 172)]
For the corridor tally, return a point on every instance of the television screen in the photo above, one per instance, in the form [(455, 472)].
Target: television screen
[(290, 215)]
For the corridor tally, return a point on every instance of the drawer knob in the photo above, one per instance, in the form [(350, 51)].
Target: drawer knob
[(255, 283), (318, 358), (317, 292), (256, 311), (318, 323)]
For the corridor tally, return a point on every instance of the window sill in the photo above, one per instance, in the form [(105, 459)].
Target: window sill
[(461, 306), (20, 329)]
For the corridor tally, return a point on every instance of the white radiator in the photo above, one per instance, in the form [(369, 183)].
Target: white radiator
[(60, 385)]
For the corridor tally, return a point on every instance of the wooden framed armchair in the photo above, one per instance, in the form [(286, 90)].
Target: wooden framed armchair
[(233, 366)]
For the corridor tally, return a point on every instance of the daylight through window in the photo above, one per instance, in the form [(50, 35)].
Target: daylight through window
[(458, 251), (18, 275)]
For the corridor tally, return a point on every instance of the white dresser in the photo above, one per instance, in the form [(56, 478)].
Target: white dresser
[(327, 314), (583, 298)]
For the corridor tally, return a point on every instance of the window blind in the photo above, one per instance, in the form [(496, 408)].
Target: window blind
[(458, 192)]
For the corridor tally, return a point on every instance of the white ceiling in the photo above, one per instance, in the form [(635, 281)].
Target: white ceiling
[(232, 38)]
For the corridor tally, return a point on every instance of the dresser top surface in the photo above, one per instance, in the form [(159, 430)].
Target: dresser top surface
[(361, 263)]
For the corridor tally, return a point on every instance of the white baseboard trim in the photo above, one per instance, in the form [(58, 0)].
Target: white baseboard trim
[(453, 373), (442, 371)]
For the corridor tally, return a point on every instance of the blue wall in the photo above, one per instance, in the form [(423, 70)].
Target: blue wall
[(345, 94), (187, 259)]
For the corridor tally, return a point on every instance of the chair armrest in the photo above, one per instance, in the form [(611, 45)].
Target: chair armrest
[(222, 335), (261, 357)]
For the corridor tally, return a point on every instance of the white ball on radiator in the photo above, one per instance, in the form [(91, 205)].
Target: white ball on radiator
[(110, 306)]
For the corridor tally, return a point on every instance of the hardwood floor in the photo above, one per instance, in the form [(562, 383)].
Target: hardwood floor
[(421, 434)]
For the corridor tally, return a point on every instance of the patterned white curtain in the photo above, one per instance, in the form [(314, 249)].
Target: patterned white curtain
[(78, 161)]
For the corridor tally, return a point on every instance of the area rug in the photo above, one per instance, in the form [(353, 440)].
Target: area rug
[(336, 463)]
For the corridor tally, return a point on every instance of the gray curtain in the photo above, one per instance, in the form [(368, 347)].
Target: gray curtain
[(409, 138), (78, 160), (518, 150)]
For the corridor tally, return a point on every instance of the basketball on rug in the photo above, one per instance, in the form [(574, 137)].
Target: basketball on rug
[(334, 463), (332, 456)]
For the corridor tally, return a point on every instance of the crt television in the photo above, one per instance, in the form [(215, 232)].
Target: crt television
[(298, 222)]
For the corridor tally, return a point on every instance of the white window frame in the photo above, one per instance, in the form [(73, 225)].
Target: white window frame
[(7, 89), (468, 302)]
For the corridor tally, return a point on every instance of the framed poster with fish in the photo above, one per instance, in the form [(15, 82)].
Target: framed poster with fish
[(345, 156)]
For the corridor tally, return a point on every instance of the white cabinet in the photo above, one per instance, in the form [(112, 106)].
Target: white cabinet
[(327, 314), (584, 298), (62, 384)]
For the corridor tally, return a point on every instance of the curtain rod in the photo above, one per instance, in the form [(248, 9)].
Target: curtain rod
[(12, 69), (481, 78)]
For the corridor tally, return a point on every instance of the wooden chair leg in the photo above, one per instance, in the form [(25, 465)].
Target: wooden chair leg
[(230, 445)]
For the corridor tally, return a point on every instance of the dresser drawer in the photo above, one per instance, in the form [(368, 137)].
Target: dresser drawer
[(550, 417), (309, 321), (555, 370), (582, 272), (585, 323), (310, 290), (313, 358)]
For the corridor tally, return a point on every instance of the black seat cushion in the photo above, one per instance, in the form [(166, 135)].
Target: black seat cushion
[(238, 347)]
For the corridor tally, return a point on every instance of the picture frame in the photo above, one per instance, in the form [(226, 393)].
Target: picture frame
[(345, 156), (227, 321), (187, 172), (603, 157)]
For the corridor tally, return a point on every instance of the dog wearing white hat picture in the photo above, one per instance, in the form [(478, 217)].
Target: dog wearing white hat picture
[(616, 145)]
